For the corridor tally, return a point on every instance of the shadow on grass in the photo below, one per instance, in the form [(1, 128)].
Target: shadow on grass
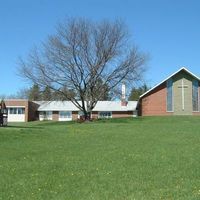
[(58, 123), (120, 120), (45, 124), (113, 120), (23, 127)]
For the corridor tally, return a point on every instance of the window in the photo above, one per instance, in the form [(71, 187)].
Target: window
[(105, 114), (13, 111), (135, 113), (48, 114), (195, 95), (16, 111), (80, 114), (21, 111), (169, 95), (45, 115), (65, 114)]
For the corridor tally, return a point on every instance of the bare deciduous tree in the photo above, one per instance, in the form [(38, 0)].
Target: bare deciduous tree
[(79, 55)]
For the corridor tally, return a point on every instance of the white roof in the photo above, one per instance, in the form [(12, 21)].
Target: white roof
[(115, 106), (183, 68), (101, 106)]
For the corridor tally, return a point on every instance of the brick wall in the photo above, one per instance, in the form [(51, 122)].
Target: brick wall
[(118, 114), (33, 114), (74, 115), (154, 103), (55, 115), (115, 114), (94, 114)]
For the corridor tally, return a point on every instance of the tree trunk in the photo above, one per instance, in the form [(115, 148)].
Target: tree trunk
[(87, 116)]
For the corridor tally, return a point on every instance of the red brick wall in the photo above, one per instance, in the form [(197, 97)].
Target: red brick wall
[(196, 113), (94, 114), (74, 115), (33, 114), (55, 115), (117, 114), (154, 103)]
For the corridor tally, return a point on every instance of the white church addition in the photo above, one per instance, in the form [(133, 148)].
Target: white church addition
[(182, 86)]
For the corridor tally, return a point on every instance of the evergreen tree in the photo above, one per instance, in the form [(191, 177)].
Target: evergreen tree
[(47, 94), (137, 92), (34, 93), (58, 96)]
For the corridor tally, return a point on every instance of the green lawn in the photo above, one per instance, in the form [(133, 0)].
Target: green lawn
[(140, 158)]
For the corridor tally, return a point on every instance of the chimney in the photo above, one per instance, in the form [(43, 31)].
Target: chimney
[(123, 98)]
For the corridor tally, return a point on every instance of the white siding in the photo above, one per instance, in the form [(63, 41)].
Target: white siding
[(16, 114), (16, 118)]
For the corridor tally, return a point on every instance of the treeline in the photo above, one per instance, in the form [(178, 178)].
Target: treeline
[(136, 92), (36, 93)]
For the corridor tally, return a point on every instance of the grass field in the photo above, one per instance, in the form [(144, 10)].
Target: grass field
[(140, 158)]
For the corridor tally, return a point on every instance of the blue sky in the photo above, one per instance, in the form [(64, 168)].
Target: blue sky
[(168, 30)]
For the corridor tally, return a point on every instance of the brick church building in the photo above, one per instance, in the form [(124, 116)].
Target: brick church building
[(178, 94)]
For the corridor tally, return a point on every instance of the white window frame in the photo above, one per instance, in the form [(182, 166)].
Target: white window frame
[(80, 113), (104, 117), (17, 110), (45, 115), (65, 117)]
